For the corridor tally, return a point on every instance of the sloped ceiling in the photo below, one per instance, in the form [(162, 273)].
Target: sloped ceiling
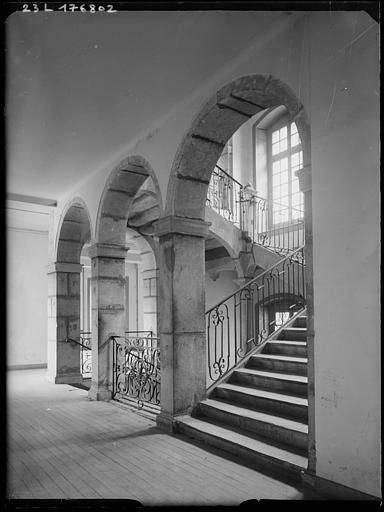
[(81, 86)]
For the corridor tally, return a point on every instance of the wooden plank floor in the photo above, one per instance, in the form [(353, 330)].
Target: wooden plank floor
[(62, 445)]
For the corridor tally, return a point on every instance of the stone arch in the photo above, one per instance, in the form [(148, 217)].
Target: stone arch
[(196, 156), (121, 186), (216, 122), (73, 232)]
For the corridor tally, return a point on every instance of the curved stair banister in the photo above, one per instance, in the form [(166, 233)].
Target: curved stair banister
[(247, 317), (271, 224)]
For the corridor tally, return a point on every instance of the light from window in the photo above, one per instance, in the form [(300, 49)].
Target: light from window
[(279, 140), (287, 158), (280, 318)]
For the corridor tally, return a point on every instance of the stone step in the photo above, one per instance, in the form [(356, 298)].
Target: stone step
[(286, 348), (293, 333), (257, 452), (279, 363), (282, 430), (300, 321), (289, 384), (287, 406)]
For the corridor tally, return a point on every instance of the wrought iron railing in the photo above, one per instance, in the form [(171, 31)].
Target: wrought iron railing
[(85, 342), (246, 318), (225, 195), (136, 368), (273, 225), (268, 223)]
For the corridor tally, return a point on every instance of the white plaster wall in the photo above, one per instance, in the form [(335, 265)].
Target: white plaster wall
[(134, 314), (242, 154), (345, 168), (26, 271), (217, 290), (260, 149)]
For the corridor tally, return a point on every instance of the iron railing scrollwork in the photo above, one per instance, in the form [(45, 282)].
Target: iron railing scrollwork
[(247, 317), (85, 342), (136, 367), (273, 225), (276, 226), (224, 195)]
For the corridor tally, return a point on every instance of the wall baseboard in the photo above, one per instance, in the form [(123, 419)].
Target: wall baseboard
[(335, 490), (26, 366)]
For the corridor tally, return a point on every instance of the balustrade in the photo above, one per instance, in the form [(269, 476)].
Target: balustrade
[(246, 318), (224, 195), (273, 225), (136, 368), (86, 354), (278, 227)]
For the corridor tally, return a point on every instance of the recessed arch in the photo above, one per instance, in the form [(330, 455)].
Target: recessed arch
[(64, 300), (120, 189), (74, 231)]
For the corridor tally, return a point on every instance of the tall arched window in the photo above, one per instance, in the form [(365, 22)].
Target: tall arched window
[(285, 158)]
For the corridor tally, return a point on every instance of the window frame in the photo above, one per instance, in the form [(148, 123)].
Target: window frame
[(282, 121)]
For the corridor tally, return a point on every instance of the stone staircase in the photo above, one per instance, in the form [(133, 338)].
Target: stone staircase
[(260, 411)]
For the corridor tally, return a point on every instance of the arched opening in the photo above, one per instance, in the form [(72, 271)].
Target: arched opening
[(206, 143), (203, 144), (123, 308), (64, 300)]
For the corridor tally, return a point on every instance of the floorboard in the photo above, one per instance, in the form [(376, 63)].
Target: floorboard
[(62, 445)]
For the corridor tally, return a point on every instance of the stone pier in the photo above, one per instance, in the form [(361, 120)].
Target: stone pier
[(63, 323), (182, 316), (108, 313)]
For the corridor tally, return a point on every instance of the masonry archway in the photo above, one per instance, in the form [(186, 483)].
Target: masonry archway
[(126, 184), (193, 165), (216, 122), (64, 294)]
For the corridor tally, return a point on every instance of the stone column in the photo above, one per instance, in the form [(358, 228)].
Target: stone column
[(182, 316), (305, 181), (108, 313), (63, 323)]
